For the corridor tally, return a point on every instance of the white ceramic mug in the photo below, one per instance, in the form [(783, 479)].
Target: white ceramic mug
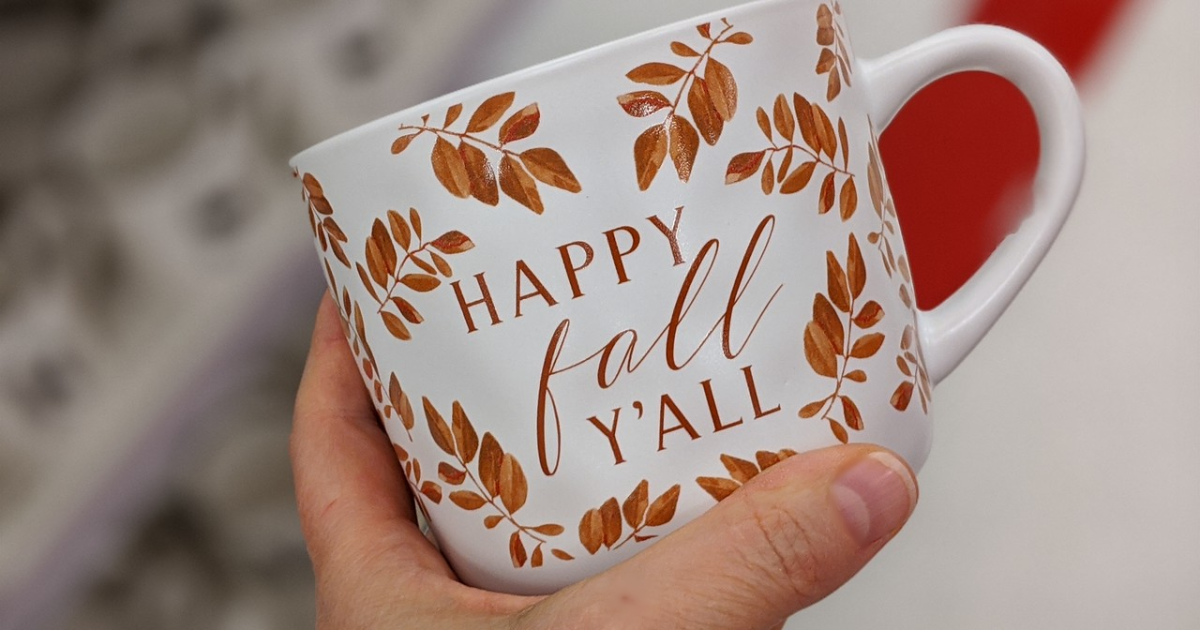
[(594, 297)]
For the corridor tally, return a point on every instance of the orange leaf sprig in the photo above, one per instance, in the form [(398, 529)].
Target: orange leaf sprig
[(912, 366), (320, 218), (835, 57), (461, 164), (423, 489), (604, 526), (885, 209), (822, 145), (711, 101), (741, 471), (831, 344), (500, 483), (385, 274)]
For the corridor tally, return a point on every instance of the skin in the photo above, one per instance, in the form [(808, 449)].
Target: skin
[(776, 546)]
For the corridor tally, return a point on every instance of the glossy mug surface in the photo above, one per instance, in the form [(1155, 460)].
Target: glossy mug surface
[(593, 298)]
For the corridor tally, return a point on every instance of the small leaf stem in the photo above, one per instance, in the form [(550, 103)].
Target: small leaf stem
[(396, 277), (815, 156), (461, 136), (841, 379), (487, 497), (691, 75)]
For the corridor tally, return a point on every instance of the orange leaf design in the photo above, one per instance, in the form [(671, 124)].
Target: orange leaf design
[(824, 130), (400, 230), (829, 322), (867, 346), (856, 268), (453, 242), (432, 491), (634, 508), (717, 487), (839, 432), (517, 184), (516, 550), (610, 517), (740, 38), (561, 555), (722, 88), (465, 438), (683, 50), (764, 123), (591, 531), (643, 103), (490, 522), (549, 168), (442, 436), (450, 169), (481, 177), (649, 151), (684, 143), (656, 73), (520, 125), (848, 199), (799, 178), (663, 509), (451, 475), (740, 469), (819, 351), (490, 112), (452, 114), (743, 166), (490, 458), (708, 121), (537, 558), (827, 193), (785, 122), (401, 143), (902, 396), (383, 241), (851, 414), (467, 500), (839, 293), (870, 314), (407, 310), (420, 282), (514, 488), (396, 326), (549, 529), (812, 409)]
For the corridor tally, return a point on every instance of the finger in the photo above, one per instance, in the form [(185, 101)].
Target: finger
[(787, 539), (350, 491)]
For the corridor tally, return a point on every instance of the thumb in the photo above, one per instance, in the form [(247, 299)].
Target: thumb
[(791, 536)]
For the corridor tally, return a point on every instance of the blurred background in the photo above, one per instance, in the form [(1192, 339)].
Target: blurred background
[(157, 286)]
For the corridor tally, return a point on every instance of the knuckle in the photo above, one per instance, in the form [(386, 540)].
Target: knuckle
[(787, 550)]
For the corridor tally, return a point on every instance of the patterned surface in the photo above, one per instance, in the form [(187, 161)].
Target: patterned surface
[(1062, 487)]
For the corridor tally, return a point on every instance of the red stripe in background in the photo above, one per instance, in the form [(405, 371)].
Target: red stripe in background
[(960, 156)]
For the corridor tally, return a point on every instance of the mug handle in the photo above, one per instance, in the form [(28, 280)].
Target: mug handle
[(951, 330)]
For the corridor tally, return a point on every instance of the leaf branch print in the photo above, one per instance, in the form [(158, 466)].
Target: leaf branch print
[(821, 148), (912, 366), (740, 471), (604, 526), (830, 344), (385, 272), (711, 102), (910, 360), (835, 56), (461, 165), (320, 218), (500, 483)]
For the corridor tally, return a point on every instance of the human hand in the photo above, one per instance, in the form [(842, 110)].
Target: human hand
[(788, 538)]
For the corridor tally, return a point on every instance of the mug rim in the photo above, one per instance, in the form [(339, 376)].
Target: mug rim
[(531, 72)]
